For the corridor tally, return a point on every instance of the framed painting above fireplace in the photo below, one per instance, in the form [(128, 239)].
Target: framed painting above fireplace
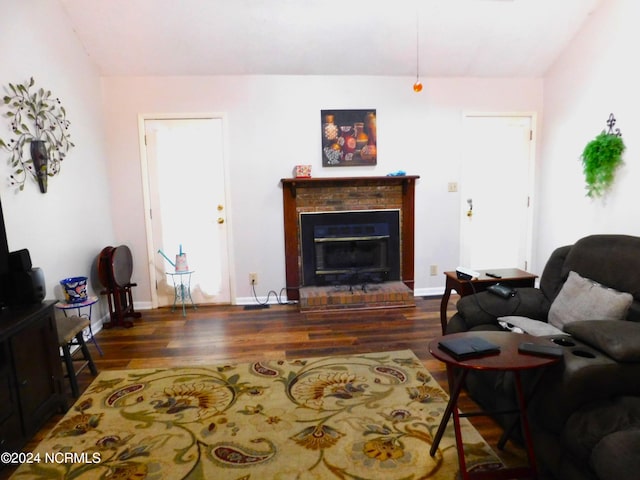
[(349, 138)]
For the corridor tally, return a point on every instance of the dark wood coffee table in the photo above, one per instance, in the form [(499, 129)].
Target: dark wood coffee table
[(509, 359), (512, 277)]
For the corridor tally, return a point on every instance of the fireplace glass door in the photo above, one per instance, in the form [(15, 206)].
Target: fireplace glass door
[(347, 248)]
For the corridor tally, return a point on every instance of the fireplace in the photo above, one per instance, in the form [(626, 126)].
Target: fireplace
[(348, 248), (373, 243)]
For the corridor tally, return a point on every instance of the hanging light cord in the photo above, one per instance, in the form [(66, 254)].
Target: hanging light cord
[(417, 46), (417, 87)]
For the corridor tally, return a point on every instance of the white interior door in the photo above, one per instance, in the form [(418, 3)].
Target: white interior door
[(496, 192), (186, 190)]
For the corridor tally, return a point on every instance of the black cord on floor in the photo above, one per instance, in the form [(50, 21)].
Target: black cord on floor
[(271, 292)]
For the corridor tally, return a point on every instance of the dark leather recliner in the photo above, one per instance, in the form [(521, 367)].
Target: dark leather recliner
[(586, 410)]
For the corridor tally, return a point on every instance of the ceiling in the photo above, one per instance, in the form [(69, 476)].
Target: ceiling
[(449, 38)]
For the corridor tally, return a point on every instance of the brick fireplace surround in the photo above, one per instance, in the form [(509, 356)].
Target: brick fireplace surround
[(312, 195)]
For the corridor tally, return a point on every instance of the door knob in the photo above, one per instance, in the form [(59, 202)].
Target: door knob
[(220, 208), (220, 220)]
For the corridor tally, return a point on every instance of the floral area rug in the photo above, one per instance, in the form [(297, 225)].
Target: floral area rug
[(369, 416)]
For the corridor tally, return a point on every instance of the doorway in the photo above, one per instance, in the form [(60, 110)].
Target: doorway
[(496, 191), (184, 166)]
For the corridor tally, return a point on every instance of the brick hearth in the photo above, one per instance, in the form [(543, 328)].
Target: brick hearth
[(382, 295)]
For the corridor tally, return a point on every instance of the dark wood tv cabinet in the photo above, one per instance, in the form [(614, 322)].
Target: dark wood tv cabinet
[(31, 378)]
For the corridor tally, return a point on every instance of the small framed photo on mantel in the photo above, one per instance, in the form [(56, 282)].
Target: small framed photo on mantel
[(349, 138)]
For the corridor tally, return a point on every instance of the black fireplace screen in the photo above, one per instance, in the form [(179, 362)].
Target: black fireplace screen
[(350, 247)]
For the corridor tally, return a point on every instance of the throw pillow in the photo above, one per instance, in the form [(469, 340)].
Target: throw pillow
[(583, 299), (617, 339), (533, 327)]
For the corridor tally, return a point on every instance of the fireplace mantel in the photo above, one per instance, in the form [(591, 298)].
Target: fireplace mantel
[(295, 183), (302, 195)]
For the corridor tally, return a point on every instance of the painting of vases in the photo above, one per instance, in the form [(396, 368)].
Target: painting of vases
[(349, 138)]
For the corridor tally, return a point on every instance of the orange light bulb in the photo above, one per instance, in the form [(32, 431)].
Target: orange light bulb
[(417, 87)]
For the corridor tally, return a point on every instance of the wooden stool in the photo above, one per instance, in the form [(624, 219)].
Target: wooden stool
[(70, 333)]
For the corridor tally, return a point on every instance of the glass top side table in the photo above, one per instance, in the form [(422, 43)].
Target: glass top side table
[(182, 290)]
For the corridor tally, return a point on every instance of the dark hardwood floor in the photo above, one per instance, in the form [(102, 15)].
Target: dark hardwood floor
[(216, 334)]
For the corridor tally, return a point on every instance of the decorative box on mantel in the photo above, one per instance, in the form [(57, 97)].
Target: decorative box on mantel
[(364, 196)]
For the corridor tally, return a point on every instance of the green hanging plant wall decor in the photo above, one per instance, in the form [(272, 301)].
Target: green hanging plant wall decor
[(600, 159), (41, 137)]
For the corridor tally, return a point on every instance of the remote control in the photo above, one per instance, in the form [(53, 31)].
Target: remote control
[(492, 275), (537, 349)]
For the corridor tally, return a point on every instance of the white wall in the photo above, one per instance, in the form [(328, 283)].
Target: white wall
[(274, 123), (596, 75), (66, 228)]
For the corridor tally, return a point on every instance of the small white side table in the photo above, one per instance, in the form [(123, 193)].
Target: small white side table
[(88, 303), (182, 290)]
